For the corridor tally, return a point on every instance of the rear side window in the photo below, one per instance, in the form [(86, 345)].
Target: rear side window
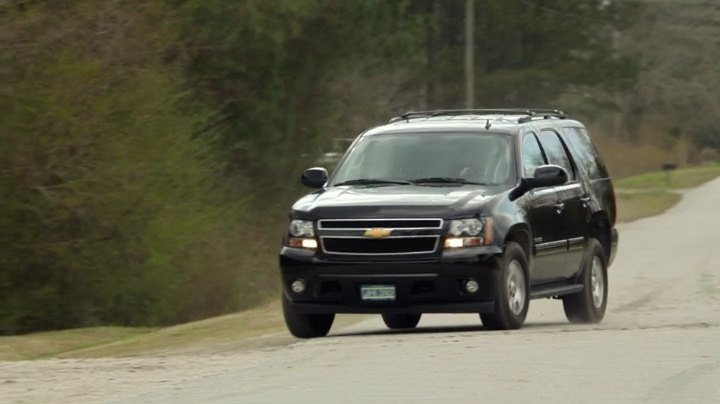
[(555, 151), (586, 155)]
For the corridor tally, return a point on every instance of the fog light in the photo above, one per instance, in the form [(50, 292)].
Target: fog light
[(298, 286), (453, 243), (458, 242), (471, 286), (309, 243)]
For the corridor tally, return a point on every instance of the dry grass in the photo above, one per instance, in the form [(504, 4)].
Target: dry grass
[(56, 343), (626, 159), (637, 205), (648, 194), (259, 327), (679, 179), (229, 332), (235, 330)]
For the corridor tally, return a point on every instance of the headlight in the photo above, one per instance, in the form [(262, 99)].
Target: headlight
[(469, 233), (465, 227), (301, 228)]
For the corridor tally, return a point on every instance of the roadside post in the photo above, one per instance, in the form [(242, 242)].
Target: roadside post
[(669, 167)]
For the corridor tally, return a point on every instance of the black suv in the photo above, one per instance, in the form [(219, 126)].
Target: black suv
[(469, 211)]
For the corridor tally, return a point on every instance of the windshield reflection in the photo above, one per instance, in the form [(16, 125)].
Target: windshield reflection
[(429, 158)]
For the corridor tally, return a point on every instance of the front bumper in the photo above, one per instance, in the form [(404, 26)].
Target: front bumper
[(422, 286)]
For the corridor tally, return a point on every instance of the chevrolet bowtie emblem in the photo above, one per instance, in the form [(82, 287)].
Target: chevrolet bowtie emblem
[(377, 233)]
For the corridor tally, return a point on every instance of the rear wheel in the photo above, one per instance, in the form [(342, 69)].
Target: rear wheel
[(401, 321), (512, 295), (303, 325), (589, 305)]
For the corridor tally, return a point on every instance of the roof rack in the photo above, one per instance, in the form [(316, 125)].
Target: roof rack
[(543, 115), (529, 113)]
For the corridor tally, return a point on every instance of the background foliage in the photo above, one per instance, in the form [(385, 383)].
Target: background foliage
[(149, 149)]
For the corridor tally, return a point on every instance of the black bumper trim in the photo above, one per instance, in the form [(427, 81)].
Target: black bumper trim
[(464, 307), (421, 286), (379, 276)]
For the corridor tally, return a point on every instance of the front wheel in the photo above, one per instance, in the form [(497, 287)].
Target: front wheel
[(303, 325), (589, 305), (401, 321), (512, 291)]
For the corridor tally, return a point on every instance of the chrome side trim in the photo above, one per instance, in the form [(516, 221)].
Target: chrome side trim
[(576, 240), (550, 245), (576, 244), (567, 187), (542, 191)]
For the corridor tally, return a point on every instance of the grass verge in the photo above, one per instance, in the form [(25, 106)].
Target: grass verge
[(234, 331), (639, 196), (679, 179), (651, 194), (259, 327), (637, 205), (55, 343)]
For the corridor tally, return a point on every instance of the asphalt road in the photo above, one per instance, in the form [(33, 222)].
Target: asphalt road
[(660, 342)]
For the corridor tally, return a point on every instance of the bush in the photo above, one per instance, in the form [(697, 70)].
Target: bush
[(105, 191)]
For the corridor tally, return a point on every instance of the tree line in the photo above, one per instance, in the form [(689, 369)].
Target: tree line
[(149, 150)]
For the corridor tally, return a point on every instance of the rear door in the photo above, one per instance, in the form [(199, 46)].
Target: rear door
[(550, 244), (572, 206), (594, 172)]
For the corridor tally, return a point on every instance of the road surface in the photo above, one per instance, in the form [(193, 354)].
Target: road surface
[(660, 342)]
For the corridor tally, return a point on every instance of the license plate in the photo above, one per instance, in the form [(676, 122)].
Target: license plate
[(377, 292)]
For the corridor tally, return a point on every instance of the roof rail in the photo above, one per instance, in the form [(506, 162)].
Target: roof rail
[(558, 115), (529, 112)]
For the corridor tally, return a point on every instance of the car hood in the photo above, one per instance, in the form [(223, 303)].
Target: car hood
[(393, 201)]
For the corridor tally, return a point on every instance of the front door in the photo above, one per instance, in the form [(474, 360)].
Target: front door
[(550, 244)]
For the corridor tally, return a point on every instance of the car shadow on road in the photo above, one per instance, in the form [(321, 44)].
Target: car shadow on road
[(446, 329)]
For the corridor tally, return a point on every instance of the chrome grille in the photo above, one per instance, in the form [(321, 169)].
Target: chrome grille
[(382, 223), (384, 236)]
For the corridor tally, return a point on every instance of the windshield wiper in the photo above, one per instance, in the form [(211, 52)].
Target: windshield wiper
[(372, 181), (445, 180)]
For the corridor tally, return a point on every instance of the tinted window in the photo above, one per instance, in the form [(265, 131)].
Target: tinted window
[(585, 153), (532, 155), (476, 157), (555, 151)]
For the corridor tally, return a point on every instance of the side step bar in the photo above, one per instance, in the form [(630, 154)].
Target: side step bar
[(555, 291)]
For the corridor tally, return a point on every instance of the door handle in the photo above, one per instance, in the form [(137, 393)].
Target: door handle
[(584, 200), (559, 207)]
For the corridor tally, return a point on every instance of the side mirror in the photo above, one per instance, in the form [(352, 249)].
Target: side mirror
[(314, 177), (545, 176)]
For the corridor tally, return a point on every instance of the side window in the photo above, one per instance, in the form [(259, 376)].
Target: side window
[(532, 155), (586, 155), (555, 151)]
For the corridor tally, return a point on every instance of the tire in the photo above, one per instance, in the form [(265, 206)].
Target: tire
[(303, 325), (587, 306), (512, 297), (401, 321)]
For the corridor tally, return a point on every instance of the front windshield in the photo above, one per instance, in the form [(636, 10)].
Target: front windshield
[(465, 157)]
